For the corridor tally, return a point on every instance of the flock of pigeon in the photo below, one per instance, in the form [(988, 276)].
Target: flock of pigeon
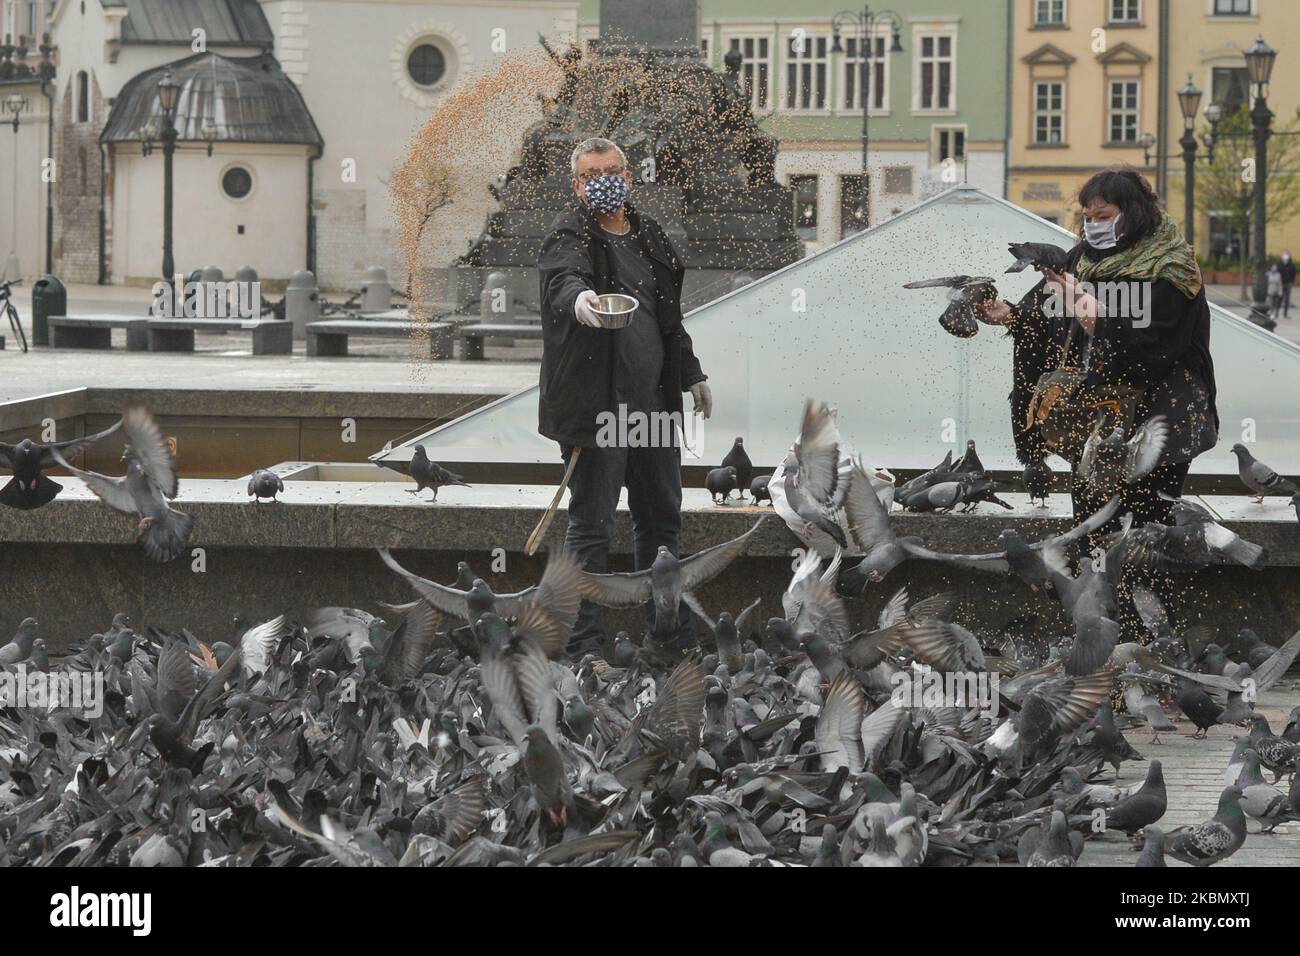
[(455, 729)]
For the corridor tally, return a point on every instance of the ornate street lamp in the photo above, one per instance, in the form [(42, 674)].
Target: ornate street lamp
[(1259, 67)]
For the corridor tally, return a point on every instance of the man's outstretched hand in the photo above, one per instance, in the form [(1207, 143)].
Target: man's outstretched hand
[(584, 308), (703, 399)]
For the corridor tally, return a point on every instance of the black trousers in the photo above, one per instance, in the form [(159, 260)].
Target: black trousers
[(653, 478), (1144, 500)]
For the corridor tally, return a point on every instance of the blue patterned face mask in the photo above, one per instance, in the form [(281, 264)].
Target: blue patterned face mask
[(606, 193)]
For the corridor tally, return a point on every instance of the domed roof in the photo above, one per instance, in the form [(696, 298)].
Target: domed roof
[(235, 99)]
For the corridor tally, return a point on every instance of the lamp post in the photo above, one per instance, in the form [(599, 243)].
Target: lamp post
[(168, 93), (1259, 68), (1189, 103), (14, 104), (866, 21)]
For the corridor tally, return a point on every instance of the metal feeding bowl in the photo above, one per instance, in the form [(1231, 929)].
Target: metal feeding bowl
[(615, 310)]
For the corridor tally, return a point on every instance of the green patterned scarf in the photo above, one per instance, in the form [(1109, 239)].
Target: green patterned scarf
[(1162, 255)]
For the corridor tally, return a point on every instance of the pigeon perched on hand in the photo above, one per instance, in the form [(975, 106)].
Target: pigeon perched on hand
[(739, 460), (28, 488), (1040, 255), (966, 291), (149, 482), (264, 484), (1258, 477)]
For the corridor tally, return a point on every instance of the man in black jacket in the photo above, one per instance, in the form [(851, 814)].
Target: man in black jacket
[(610, 391)]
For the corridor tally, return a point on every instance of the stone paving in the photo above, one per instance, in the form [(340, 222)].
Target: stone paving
[(1194, 773)]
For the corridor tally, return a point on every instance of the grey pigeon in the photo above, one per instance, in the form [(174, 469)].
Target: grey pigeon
[(739, 460), (721, 482), (28, 488), (1040, 255), (816, 481), (1108, 461), (667, 582), (758, 489), (1201, 709), (1142, 705), (1258, 477), (1276, 754), (1106, 737), (1204, 844), (545, 769), (144, 490), (1054, 848), (1143, 807), (1153, 847), (969, 464), (264, 484), (1195, 540), (965, 292), (940, 472), (430, 474), (19, 647), (1262, 801), (1037, 477)]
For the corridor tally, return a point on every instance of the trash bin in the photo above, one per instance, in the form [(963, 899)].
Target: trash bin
[(49, 297)]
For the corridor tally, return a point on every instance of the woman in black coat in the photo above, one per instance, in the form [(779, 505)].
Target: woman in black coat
[(1159, 345)]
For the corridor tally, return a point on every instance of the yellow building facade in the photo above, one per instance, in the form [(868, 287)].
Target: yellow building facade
[(1085, 85), (1207, 38)]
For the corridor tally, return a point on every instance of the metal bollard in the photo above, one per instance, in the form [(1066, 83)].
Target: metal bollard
[(301, 302), (376, 293)]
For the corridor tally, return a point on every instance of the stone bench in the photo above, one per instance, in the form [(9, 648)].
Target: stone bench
[(472, 336), (270, 336), (96, 331), (330, 336)]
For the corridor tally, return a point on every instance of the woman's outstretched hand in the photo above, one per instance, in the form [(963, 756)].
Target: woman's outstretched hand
[(1085, 305), (992, 311)]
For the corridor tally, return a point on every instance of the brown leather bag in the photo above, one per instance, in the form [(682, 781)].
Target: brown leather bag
[(1065, 410)]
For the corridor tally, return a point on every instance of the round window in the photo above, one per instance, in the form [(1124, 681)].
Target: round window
[(426, 64), (236, 182)]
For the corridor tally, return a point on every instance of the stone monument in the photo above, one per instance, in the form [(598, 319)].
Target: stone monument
[(700, 164)]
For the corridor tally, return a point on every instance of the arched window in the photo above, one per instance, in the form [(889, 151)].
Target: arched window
[(83, 97)]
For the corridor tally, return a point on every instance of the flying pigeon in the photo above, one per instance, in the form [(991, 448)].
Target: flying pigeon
[(668, 581), (1040, 255), (144, 490), (1107, 463), (264, 484), (28, 488), (1258, 477), (958, 318), (1195, 540), (814, 477)]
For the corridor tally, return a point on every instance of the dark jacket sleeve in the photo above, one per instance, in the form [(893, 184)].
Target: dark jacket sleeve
[(1032, 334), (692, 374), (1145, 348), (565, 269)]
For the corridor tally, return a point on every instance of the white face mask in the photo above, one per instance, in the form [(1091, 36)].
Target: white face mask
[(1104, 234)]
